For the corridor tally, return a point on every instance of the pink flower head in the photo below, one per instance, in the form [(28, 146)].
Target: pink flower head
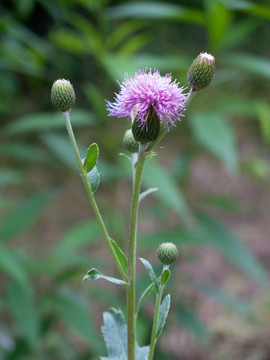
[(145, 91)]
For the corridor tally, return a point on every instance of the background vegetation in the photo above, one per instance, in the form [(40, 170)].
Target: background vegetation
[(213, 176)]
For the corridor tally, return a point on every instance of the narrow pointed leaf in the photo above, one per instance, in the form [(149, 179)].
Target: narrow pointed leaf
[(94, 274), (121, 255), (163, 313), (91, 157), (147, 192), (145, 295), (151, 272)]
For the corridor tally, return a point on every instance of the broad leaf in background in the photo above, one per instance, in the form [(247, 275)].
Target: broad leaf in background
[(215, 133), (94, 274), (163, 313), (21, 304), (114, 331), (24, 215), (169, 192)]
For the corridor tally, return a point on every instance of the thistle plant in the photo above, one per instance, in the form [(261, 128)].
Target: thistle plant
[(154, 104)]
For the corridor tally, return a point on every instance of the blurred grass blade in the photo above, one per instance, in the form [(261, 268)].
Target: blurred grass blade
[(190, 322), (78, 235), (154, 11), (44, 122), (169, 192), (74, 310), (10, 176), (24, 215), (234, 303), (215, 133), (21, 305), (23, 151), (11, 264)]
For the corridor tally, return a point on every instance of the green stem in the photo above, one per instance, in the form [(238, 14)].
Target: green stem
[(131, 307), (91, 196), (155, 323)]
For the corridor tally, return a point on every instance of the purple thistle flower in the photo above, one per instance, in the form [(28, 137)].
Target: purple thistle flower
[(146, 91)]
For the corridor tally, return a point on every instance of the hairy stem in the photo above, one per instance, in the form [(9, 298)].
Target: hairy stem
[(131, 308), (155, 323), (91, 196)]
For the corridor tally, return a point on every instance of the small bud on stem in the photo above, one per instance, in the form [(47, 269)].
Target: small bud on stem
[(201, 72), (63, 95), (129, 142), (167, 253)]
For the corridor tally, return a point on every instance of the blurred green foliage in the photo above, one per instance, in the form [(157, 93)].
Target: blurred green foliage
[(94, 43)]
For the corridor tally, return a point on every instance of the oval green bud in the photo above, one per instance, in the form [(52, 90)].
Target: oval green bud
[(150, 130), (201, 71), (167, 253), (129, 142), (63, 95)]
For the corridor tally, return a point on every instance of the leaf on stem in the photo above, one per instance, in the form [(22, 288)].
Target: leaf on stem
[(163, 313), (147, 192), (151, 272), (120, 255), (165, 276), (91, 157), (114, 332), (94, 274), (93, 178)]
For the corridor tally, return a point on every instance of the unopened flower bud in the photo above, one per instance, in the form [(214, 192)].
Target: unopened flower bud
[(201, 71), (167, 253), (149, 131), (129, 142), (63, 95)]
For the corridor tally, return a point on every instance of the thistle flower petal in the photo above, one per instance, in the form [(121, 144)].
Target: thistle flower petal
[(148, 90)]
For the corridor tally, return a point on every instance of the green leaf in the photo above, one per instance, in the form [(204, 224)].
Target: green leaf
[(189, 321), (144, 296), (170, 194), (93, 178), (91, 157), (147, 192), (24, 215), (26, 152), (114, 331), (151, 272), (94, 274), (163, 313), (165, 276), (264, 116), (215, 133), (21, 305), (121, 255)]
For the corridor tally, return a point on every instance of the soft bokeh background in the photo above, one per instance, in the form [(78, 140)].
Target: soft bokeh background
[(212, 173)]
